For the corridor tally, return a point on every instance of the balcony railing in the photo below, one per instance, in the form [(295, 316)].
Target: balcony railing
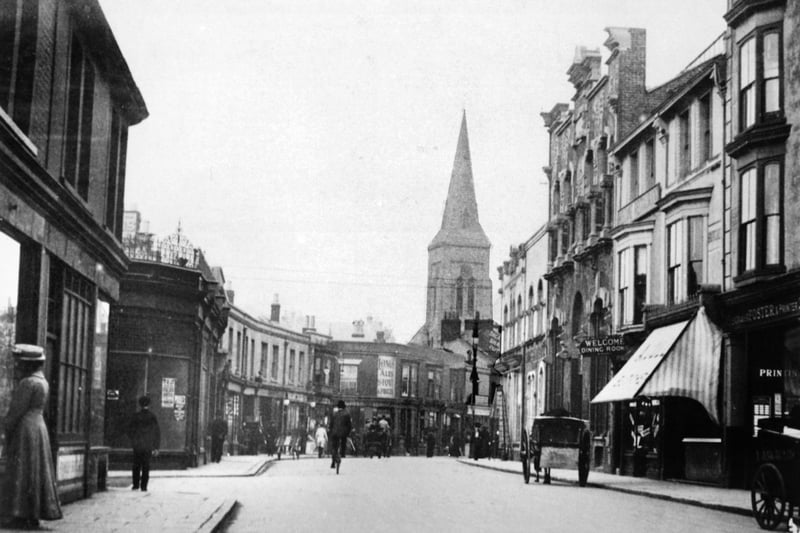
[(174, 250)]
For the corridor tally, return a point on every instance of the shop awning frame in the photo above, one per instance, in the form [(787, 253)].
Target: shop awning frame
[(681, 359)]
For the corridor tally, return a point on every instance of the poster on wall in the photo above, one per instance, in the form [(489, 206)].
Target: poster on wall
[(180, 407), (386, 376), (168, 393)]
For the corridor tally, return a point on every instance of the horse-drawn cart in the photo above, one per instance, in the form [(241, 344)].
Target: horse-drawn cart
[(775, 491), (557, 442)]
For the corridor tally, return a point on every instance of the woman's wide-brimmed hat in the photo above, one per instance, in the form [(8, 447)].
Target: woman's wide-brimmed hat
[(28, 352)]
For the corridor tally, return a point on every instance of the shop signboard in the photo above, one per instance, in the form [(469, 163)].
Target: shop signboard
[(608, 345), (386, 376)]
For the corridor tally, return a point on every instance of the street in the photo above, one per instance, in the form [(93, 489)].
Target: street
[(438, 495)]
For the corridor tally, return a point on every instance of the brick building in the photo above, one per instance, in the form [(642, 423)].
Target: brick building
[(67, 99)]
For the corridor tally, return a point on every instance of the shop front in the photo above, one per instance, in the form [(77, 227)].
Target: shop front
[(763, 366), (667, 397)]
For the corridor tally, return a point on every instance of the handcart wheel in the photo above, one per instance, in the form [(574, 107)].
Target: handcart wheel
[(524, 455), (768, 496), (584, 457)]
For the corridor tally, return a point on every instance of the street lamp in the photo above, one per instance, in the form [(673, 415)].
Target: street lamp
[(473, 377), (284, 413)]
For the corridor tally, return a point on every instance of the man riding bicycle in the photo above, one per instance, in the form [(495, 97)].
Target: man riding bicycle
[(341, 426)]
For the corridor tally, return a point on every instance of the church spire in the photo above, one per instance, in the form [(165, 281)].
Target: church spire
[(460, 225)]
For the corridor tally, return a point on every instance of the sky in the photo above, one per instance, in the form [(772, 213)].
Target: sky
[(307, 146)]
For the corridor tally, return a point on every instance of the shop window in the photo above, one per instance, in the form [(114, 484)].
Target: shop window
[(643, 424), (18, 33), (70, 323), (761, 217), (760, 78), (9, 282)]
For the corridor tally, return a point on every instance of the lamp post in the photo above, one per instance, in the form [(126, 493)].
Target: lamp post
[(473, 377), (284, 413)]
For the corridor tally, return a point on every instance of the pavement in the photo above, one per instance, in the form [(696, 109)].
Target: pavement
[(708, 496), (121, 509)]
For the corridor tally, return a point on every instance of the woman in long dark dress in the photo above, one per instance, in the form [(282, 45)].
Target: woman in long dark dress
[(30, 492)]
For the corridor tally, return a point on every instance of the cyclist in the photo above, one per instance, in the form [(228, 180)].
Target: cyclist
[(341, 427)]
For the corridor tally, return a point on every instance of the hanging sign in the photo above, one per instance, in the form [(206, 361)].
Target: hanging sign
[(608, 345)]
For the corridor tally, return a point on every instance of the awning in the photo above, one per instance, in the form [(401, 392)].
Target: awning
[(677, 360)]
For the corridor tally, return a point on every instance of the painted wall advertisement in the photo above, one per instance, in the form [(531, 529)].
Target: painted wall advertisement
[(386, 376)]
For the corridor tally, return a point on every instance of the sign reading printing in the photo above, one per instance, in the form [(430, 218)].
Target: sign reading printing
[(386, 376), (608, 345)]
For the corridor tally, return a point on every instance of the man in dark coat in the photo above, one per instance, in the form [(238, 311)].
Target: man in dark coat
[(219, 430), (145, 438), (341, 426)]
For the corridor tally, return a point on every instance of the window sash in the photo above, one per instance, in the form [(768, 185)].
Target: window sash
[(772, 71)]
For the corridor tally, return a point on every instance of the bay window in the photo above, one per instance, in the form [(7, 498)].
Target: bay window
[(761, 217), (760, 77), (676, 290)]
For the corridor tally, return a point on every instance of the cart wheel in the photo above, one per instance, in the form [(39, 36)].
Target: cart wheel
[(768, 496), (525, 457), (584, 458)]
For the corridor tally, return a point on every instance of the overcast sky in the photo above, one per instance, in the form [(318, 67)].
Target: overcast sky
[(307, 147)]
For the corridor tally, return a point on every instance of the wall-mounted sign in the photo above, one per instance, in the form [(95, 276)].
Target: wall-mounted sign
[(386, 376), (180, 407), (608, 345), (112, 394)]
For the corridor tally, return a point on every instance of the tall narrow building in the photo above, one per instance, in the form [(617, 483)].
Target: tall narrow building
[(458, 256)]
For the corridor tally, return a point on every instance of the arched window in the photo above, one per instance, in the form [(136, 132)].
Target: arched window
[(577, 314), (556, 198), (533, 312), (542, 307), (471, 296), (520, 311), (460, 296), (505, 325)]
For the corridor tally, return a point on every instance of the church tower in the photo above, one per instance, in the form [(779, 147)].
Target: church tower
[(458, 256)]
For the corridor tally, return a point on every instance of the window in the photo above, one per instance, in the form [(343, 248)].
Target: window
[(761, 226), (252, 357), (115, 188), (760, 78), (18, 24), (348, 378), (685, 145), (273, 374), (70, 323), (79, 119), (634, 166), (264, 360), (675, 250), (695, 239), (650, 163), (623, 291), (460, 296), (434, 388), (409, 379), (456, 385), (238, 369), (639, 282), (301, 363), (471, 296), (704, 126), (291, 377)]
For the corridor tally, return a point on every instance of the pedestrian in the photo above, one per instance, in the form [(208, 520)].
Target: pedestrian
[(321, 438), (341, 426), (145, 438), (219, 431), (29, 492), (430, 443)]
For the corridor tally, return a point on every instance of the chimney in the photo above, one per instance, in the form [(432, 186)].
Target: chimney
[(275, 312), (309, 327), (230, 294), (380, 336), (358, 329)]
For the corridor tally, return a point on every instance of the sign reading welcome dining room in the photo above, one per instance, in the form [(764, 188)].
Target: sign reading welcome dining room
[(608, 345)]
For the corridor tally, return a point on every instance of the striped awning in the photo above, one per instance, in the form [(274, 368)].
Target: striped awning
[(681, 359)]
